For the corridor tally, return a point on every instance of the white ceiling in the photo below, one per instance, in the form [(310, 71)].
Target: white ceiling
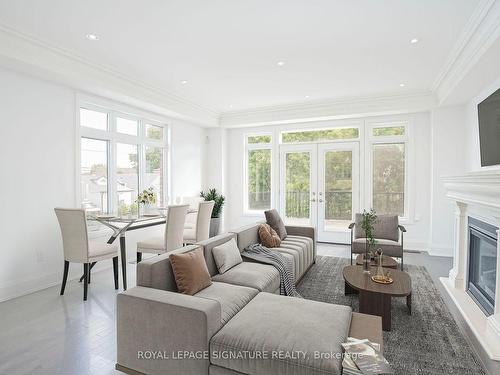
[(227, 50)]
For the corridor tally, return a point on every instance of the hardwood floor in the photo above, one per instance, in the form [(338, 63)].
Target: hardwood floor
[(45, 333)]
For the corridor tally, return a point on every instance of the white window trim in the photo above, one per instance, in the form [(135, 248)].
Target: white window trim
[(257, 146), (112, 137), (371, 140)]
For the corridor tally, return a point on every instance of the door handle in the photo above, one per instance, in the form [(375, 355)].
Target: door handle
[(313, 200), (321, 201)]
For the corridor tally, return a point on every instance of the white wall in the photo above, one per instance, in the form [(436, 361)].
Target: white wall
[(448, 158), (37, 169), (420, 191)]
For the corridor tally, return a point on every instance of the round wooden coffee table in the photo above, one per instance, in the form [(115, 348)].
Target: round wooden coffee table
[(375, 298), (387, 261)]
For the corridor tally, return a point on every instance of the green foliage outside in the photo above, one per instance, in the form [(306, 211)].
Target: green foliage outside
[(259, 139), (154, 132), (259, 179), (389, 178), (320, 135), (388, 131)]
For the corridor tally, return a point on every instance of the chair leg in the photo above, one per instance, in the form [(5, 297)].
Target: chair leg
[(401, 262), (65, 276), (115, 271), (139, 256), (86, 276)]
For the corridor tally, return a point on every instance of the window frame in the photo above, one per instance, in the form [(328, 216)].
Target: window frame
[(114, 110), (252, 147), (372, 140)]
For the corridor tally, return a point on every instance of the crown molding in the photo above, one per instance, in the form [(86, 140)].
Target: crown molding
[(28, 54), (332, 109), (480, 32)]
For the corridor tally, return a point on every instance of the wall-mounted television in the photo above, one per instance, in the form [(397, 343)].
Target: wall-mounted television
[(489, 129)]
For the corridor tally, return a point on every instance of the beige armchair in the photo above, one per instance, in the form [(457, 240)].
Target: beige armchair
[(78, 249), (201, 229), (173, 237), (387, 232)]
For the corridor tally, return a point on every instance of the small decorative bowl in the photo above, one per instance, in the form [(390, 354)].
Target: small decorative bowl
[(382, 279)]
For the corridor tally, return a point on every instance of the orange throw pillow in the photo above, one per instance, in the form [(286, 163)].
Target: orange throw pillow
[(268, 236), (190, 271)]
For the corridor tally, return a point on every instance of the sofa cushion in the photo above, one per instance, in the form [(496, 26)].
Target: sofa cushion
[(263, 277), (190, 271), (285, 325), (232, 298), (307, 243), (273, 218), (268, 236), (385, 227), (226, 255), (388, 247)]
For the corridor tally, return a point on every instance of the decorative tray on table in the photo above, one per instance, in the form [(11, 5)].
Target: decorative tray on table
[(382, 279)]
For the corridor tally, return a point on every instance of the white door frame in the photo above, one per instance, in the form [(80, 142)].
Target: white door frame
[(312, 150), (317, 184), (341, 235)]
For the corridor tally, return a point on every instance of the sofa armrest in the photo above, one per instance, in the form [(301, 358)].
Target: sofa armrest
[(153, 321), (351, 226), (304, 231)]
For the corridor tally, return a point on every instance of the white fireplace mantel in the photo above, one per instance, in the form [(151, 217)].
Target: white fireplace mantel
[(478, 195)]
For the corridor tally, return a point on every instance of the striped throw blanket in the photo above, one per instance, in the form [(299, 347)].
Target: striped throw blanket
[(262, 254)]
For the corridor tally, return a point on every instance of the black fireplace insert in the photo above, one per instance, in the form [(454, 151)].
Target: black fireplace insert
[(482, 264)]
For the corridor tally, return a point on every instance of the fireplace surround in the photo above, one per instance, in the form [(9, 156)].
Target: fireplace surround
[(477, 218)]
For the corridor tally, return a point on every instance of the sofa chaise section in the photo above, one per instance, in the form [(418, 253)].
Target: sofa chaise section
[(271, 324)]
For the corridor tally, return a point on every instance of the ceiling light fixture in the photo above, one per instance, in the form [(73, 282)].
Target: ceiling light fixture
[(401, 85), (92, 37), (184, 81), (414, 40), (280, 63), (307, 96)]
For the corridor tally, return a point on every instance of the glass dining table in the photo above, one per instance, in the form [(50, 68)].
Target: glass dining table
[(122, 224)]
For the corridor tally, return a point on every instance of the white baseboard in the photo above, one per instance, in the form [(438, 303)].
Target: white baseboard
[(25, 287), (441, 250), (416, 246)]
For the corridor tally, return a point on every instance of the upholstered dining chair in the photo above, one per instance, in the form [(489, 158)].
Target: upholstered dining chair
[(201, 230), (173, 236), (191, 217), (387, 232), (78, 249)]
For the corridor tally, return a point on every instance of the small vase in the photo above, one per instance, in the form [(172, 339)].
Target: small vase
[(366, 263), (380, 270), (147, 209)]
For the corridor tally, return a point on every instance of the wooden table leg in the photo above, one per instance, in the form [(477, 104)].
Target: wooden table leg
[(376, 304), (349, 290), (408, 303), (123, 253)]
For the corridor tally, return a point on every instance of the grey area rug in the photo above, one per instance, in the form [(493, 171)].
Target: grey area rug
[(426, 342)]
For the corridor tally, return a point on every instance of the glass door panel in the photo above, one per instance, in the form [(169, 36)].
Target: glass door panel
[(338, 171), (298, 185)]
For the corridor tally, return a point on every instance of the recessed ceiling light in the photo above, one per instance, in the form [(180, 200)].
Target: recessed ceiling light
[(184, 81), (307, 96), (401, 85), (280, 63), (92, 37), (414, 40)]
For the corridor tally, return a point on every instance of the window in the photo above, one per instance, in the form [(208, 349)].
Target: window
[(389, 178), (389, 131), (319, 135), (126, 126), (93, 119), (389, 153), (119, 157), (258, 173), (94, 175)]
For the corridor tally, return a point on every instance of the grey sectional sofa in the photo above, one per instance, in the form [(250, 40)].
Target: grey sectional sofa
[(238, 325)]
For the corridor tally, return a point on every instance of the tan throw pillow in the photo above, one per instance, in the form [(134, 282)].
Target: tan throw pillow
[(274, 220), (190, 271), (268, 236), (227, 255)]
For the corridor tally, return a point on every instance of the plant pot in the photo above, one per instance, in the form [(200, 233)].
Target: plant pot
[(214, 226)]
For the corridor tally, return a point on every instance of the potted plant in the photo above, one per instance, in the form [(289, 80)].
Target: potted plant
[(147, 199), (213, 195), (369, 219)]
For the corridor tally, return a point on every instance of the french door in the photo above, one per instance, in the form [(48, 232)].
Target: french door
[(319, 186)]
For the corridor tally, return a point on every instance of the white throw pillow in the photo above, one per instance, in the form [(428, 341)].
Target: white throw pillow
[(227, 255)]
